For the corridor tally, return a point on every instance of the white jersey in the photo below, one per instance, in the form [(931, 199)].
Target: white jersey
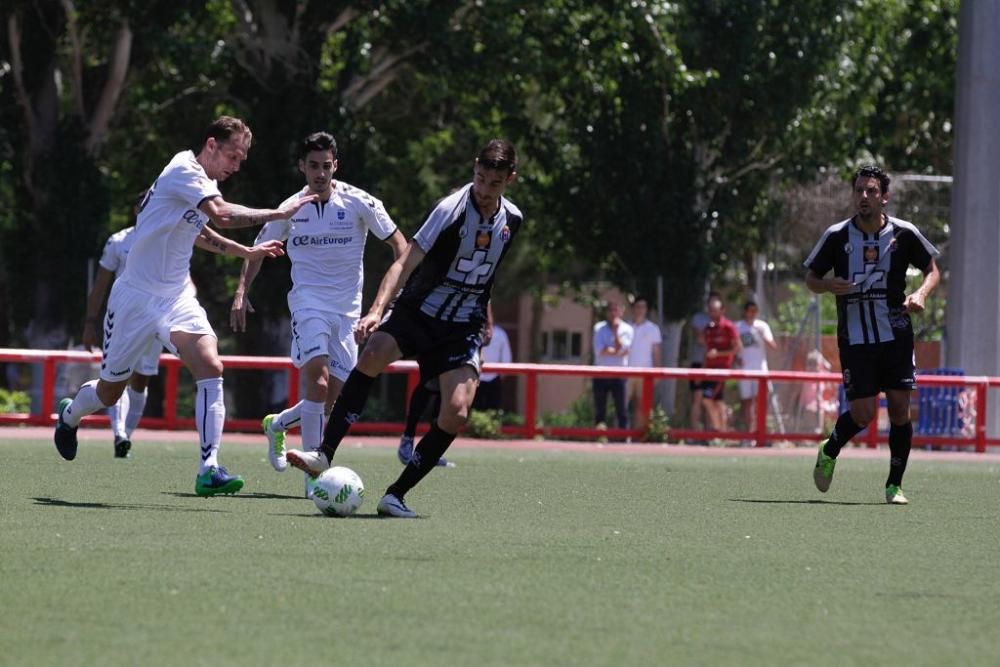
[(754, 338), (116, 250), (169, 222), (326, 245), (644, 337)]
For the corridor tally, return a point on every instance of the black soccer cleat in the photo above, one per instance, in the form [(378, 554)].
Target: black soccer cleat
[(65, 435), (122, 448)]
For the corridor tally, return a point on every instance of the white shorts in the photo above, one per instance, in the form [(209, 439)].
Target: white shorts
[(149, 364), (137, 322), (316, 333), (748, 389)]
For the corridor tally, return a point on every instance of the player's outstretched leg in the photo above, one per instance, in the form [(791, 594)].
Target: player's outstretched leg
[(69, 413), (425, 457), (346, 411), (900, 442), (210, 415), (826, 458)]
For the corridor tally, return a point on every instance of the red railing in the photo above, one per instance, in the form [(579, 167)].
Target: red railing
[(760, 434)]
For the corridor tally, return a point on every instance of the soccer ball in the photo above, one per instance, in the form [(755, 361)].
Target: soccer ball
[(338, 492)]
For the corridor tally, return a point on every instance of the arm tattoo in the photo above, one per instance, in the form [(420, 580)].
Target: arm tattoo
[(248, 217)]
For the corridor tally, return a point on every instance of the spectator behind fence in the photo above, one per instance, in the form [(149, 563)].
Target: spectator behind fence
[(645, 352), (489, 396), (612, 342), (696, 359), (722, 344), (756, 338)]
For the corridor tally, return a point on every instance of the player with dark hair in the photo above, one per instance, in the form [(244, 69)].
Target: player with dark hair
[(326, 245), (869, 254), (151, 301), (447, 270)]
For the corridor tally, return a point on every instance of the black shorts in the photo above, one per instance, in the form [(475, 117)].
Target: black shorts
[(695, 385), (436, 345), (712, 389), (873, 368)]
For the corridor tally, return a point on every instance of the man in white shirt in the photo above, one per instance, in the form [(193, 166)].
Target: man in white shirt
[(326, 245), (151, 301), (612, 344), (496, 350), (644, 353), (756, 337)]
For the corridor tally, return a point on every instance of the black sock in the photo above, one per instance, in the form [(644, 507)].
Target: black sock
[(425, 457), (845, 429), (346, 410), (900, 439), (418, 404)]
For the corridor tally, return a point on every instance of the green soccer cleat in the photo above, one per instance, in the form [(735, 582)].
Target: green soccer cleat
[(217, 480), (823, 472), (894, 495), (275, 444)]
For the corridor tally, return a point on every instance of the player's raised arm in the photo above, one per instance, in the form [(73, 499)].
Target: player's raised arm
[(230, 216), (914, 303), (215, 243), (818, 285), (396, 276)]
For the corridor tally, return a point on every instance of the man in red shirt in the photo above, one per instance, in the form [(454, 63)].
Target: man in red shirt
[(722, 343)]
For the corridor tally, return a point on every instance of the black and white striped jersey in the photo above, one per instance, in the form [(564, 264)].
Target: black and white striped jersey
[(454, 280), (876, 264)]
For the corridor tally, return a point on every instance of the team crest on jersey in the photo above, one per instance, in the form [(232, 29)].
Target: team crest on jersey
[(848, 248), (505, 234), (482, 239), (341, 214), (463, 231)]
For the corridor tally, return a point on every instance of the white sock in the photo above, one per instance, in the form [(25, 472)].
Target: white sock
[(312, 424), (117, 413), (288, 418), (209, 415), (136, 406), (85, 403)]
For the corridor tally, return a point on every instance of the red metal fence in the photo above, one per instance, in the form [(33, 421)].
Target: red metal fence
[(760, 435)]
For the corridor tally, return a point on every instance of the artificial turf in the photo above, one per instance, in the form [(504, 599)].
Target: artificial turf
[(519, 557)]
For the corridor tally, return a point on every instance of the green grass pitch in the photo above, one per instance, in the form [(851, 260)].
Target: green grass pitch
[(520, 558)]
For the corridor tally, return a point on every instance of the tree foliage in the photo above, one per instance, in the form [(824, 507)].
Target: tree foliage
[(656, 138)]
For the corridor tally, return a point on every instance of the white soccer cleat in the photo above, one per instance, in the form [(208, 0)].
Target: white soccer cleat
[(894, 495), (392, 506), (275, 444), (311, 463)]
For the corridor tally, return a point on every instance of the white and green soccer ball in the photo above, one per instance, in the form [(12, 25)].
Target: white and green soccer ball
[(338, 492)]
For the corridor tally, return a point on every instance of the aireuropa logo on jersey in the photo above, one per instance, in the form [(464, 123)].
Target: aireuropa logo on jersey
[(321, 240), (193, 217)]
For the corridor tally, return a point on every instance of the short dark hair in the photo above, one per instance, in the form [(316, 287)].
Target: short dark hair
[(318, 141), (750, 304), (872, 171), (224, 128), (499, 154)]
